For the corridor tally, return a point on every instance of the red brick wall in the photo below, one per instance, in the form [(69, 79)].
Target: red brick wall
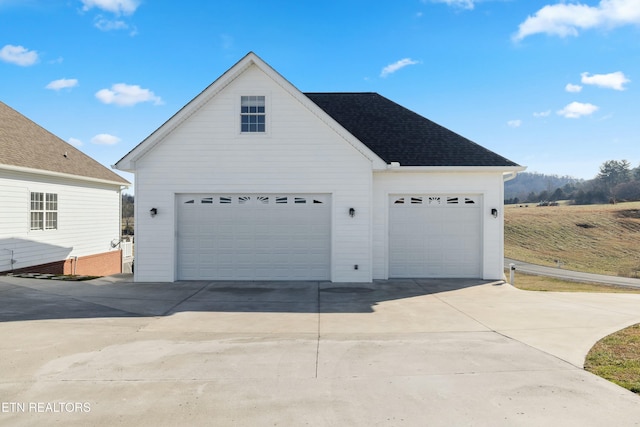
[(104, 264)]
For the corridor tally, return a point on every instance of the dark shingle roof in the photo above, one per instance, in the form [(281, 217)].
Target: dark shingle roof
[(397, 134), (24, 143)]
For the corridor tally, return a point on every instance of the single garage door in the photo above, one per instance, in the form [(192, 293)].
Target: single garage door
[(254, 237), (435, 236)]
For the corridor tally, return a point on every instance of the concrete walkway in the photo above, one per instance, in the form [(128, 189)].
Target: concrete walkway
[(401, 352)]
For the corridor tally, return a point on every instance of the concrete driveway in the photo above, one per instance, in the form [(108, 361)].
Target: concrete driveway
[(392, 353)]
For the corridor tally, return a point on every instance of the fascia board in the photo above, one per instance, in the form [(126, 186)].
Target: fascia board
[(452, 169), (376, 161), (127, 163), (42, 172)]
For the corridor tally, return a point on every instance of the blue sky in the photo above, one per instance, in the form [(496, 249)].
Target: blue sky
[(551, 85)]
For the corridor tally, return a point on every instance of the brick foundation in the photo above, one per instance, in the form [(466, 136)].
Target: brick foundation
[(104, 264)]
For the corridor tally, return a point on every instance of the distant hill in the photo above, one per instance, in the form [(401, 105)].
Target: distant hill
[(599, 239), (528, 182)]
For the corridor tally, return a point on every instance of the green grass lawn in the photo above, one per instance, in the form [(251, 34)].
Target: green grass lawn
[(528, 282), (617, 358)]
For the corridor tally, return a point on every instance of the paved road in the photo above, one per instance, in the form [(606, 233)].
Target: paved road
[(560, 273)]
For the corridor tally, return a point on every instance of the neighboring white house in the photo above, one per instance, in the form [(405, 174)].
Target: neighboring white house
[(255, 180), (59, 209)]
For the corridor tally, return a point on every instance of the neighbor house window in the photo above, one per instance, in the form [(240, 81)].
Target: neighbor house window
[(44, 211), (252, 114)]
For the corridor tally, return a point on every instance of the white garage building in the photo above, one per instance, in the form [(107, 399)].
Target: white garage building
[(255, 180)]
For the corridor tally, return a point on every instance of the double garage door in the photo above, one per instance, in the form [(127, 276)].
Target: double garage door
[(288, 236), (435, 236), (254, 237)]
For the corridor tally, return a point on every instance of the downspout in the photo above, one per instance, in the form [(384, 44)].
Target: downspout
[(11, 260)]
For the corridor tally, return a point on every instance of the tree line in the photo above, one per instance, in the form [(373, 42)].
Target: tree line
[(127, 214), (616, 181)]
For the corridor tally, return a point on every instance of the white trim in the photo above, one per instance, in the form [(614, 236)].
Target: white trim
[(267, 115), (63, 175), (393, 168), (127, 163)]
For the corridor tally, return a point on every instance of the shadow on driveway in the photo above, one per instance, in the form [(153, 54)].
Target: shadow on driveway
[(34, 299)]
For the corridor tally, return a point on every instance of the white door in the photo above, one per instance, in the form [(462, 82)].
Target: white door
[(435, 236), (254, 237)]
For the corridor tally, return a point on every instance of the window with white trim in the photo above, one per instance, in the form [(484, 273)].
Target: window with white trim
[(252, 114), (44, 211)]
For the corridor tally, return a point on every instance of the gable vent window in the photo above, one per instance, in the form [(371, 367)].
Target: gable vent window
[(252, 114), (44, 211)]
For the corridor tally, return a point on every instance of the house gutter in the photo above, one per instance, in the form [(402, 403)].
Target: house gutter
[(508, 176), (508, 171), (64, 175)]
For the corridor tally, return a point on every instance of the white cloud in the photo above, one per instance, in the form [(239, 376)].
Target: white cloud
[(118, 7), (18, 55), (104, 24), (614, 81), (464, 4), (392, 68), (566, 19), (105, 139), (75, 142), (572, 88), (126, 95), (542, 114), (575, 110), (62, 84), (514, 123)]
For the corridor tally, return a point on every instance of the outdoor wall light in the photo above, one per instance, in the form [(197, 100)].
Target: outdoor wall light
[(352, 212), (153, 212), (494, 212)]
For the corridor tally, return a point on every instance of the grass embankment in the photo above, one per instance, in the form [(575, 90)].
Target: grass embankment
[(529, 282), (600, 239)]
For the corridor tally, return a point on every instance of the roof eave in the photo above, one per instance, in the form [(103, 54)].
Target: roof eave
[(128, 162), (395, 168), (123, 183)]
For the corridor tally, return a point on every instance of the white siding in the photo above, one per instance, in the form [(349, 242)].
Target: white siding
[(88, 219), (487, 185), (298, 154)]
